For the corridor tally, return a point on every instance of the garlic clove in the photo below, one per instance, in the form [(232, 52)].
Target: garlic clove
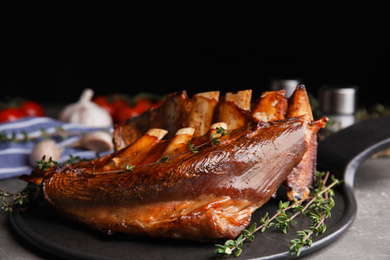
[(98, 141), (86, 112), (48, 148)]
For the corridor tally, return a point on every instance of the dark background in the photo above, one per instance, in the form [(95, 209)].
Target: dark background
[(53, 52)]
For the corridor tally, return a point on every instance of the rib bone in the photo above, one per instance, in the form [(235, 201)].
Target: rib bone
[(201, 115), (179, 143), (273, 104), (232, 110), (135, 153)]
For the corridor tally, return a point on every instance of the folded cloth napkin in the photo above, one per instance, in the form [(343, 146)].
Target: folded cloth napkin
[(15, 148)]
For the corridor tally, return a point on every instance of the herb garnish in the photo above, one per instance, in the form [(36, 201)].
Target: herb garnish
[(318, 207), (214, 139), (44, 165), (129, 168), (10, 200)]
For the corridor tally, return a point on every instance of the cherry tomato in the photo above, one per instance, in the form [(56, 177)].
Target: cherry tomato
[(10, 114), (123, 113), (32, 108), (103, 103), (119, 103), (142, 105)]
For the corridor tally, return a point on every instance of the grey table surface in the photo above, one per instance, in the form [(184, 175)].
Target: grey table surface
[(367, 238)]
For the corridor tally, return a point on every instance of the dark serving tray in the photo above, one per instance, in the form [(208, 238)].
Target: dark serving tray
[(341, 154)]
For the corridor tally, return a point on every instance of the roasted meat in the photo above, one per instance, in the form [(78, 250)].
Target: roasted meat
[(174, 190)]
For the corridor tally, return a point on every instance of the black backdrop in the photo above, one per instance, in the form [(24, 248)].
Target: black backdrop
[(53, 52)]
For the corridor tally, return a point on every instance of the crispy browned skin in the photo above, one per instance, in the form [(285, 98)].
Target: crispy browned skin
[(200, 196)]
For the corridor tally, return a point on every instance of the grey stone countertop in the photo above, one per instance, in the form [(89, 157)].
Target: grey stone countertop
[(367, 238)]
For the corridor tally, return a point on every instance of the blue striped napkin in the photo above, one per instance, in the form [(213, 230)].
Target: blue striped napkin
[(14, 155)]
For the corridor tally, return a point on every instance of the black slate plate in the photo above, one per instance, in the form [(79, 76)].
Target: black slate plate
[(340, 153)]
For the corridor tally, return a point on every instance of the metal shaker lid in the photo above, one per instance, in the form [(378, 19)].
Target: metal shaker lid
[(288, 84), (338, 99)]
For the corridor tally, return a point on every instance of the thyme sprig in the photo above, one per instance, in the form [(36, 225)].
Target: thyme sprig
[(220, 132), (214, 139), (193, 148), (130, 168), (9, 200), (43, 164), (318, 208)]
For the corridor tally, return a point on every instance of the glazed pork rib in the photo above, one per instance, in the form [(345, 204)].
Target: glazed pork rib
[(205, 195)]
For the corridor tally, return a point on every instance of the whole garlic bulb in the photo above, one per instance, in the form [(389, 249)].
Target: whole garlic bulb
[(86, 112)]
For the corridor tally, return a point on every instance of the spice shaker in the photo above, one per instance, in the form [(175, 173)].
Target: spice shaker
[(288, 84), (338, 103)]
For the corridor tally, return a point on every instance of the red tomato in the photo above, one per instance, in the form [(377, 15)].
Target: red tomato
[(32, 108), (142, 105), (119, 103), (103, 103), (123, 113), (10, 114)]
